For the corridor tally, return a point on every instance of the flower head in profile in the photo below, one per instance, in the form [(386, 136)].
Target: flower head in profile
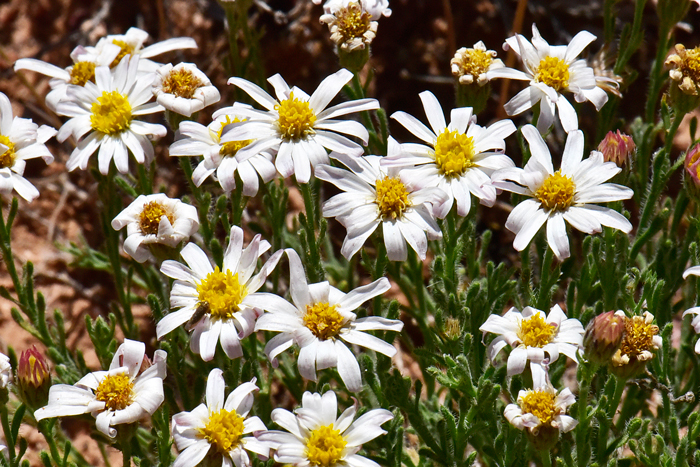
[(131, 43), (551, 71), (374, 196), (640, 341), (218, 426), (471, 65), (222, 159), (219, 303), (567, 194), (617, 147), (542, 411), (695, 323), (316, 436), (20, 139), (685, 68), (351, 26), (458, 158), (533, 336), (298, 126), (153, 219), (184, 89), (322, 323), (106, 111), (80, 72), (125, 393)]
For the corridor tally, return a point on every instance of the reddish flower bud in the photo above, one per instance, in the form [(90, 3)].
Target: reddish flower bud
[(692, 164), (33, 377), (617, 147), (603, 336)]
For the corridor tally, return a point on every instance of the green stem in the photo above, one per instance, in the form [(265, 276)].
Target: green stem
[(8, 433), (44, 429), (6, 246), (546, 457), (656, 76)]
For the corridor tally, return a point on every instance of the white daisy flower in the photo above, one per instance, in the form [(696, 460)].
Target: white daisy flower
[(551, 70), (459, 158), (389, 197), (184, 89), (351, 26), (541, 409), (533, 337), (218, 425), (222, 159), (153, 219), (376, 8), (5, 371), (317, 436), (106, 112), (125, 393), (694, 271), (564, 195), (131, 43), (639, 342), (471, 65), (20, 139), (321, 321), (297, 125), (220, 304), (80, 72)]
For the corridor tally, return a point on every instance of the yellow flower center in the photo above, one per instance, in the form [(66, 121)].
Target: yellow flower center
[(232, 147), (181, 83), (323, 320), (223, 430), (7, 158), (222, 292), (392, 198), (111, 113), (82, 72), (453, 153), (475, 62), (639, 336), (352, 22), (540, 404), (535, 331), (690, 65), (116, 391), (556, 192), (126, 49), (554, 72), (324, 447), (296, 119), (150, 216)]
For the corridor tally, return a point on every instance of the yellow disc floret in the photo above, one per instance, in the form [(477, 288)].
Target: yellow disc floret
[(232, 147), (111, 113), (82, 72), (323, 320), (541, 404), (223, 430), (116, 391), (7, 158), (453, 153), (639, 336), (126, 49), (392, 198), (324, 447), (223, 292), (554, 72), (535, 331), (557, 192), (296, 119), (352, 22), (475, 62), (150, 217), (181, 83)]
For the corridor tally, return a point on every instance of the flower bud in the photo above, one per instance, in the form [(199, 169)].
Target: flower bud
[(692, 172), (617, 147), (603, 336), (33, 377)]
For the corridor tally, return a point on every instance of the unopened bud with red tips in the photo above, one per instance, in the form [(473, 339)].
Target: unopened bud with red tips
[(617, 147), (33, 377), (603, 336), (691, 180)]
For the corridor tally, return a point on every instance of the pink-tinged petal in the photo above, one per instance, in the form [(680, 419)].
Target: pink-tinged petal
[(517, 361)]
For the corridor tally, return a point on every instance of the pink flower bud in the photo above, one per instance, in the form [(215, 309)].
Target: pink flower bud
[(33, 377), (617, 147)]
